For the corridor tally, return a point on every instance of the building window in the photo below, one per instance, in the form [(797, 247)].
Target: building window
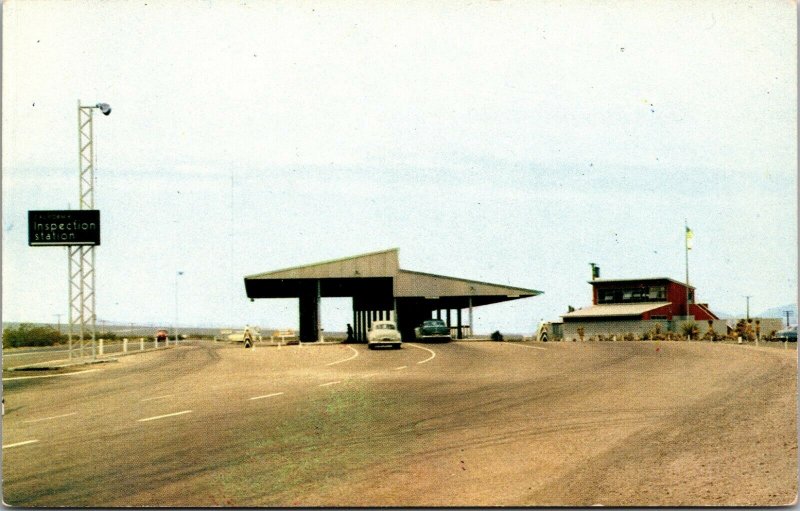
[(632, 294)]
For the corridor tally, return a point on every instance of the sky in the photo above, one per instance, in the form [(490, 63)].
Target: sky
[(500, 141)]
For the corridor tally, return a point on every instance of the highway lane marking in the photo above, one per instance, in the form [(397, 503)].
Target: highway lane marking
[(50, 418), (164, 416), (433, 353), (330, 383), (526, 346), (26, 442), (346, 359), (49, 375), (398, 368), (266, 396), (157, 397)]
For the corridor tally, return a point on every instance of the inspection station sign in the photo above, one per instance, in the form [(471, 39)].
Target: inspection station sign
[(64, 227)]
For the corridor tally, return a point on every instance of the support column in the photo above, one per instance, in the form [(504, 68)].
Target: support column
[(309, 318), (460, 334)]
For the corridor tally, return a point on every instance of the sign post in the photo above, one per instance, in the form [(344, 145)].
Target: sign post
[(78, 230)]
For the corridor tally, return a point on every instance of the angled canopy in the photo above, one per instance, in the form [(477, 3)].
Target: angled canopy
[(379, 288), (370, 273)]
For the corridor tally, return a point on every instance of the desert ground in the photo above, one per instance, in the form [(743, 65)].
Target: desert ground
[(454, 424)]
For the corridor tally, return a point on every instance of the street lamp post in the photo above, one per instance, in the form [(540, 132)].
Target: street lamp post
[(175, 328)]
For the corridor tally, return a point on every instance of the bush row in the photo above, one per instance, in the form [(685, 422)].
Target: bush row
[(32, 335)]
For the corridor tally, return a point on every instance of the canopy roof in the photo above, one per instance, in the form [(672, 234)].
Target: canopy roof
[(377, 273)]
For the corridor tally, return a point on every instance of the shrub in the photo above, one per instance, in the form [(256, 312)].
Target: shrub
[(497, 336), (628, 337), (29, 335), (690, 329)]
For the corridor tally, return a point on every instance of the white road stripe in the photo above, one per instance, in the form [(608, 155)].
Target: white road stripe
[(433, 353), (526, 346), (330, 383), (398, 368), (157, 397), (163, 416), (26, 442), (50, 418), (345, 360), (267, 395), (49, 375)]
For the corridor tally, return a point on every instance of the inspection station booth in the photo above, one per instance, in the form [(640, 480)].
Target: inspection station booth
[(380, 291)]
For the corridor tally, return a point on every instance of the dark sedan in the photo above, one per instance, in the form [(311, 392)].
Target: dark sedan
[(787, 334), (433, 330)]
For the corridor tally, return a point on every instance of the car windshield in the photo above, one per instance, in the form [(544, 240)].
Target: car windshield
[(434, 322), (384, 326)]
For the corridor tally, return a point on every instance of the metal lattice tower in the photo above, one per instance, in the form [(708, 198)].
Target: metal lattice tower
[(81, 259)]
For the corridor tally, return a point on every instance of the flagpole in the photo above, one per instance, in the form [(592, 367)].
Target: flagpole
[(686, 253)]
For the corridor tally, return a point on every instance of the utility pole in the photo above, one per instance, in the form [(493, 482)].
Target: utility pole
[(747, 317), (787, 318)]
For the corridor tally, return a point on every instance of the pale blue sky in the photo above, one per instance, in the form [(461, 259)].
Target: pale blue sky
[(511, 142)]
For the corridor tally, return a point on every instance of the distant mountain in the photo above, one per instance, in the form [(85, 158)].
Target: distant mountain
[(775, 312), (780, 312)]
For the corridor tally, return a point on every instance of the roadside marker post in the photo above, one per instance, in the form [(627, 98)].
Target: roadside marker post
[(101, 347), (141, 343), (125, 345)]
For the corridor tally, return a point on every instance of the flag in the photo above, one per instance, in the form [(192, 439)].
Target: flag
[(689, 236)]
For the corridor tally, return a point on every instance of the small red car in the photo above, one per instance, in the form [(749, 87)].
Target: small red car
[(161, 335)]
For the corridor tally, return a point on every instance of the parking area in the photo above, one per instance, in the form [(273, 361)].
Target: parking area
[(462, 423)]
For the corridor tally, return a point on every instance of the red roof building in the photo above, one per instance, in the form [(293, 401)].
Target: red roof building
[(622, 306)]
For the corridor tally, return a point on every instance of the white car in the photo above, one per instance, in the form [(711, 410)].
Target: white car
[(384, 333)]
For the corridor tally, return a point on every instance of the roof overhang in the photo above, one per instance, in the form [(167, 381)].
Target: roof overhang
[(648, 280), (615, 310), (379, 274)]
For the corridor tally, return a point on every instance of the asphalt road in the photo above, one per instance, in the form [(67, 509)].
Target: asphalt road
[(458, 424)]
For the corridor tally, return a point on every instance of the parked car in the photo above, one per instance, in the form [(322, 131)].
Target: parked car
[(787, 334), (433, 330), (383, 333), (161, 335)]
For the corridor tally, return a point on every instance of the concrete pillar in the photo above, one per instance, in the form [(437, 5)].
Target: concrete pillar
[(309, 318), (448, 316), (459, 335)]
